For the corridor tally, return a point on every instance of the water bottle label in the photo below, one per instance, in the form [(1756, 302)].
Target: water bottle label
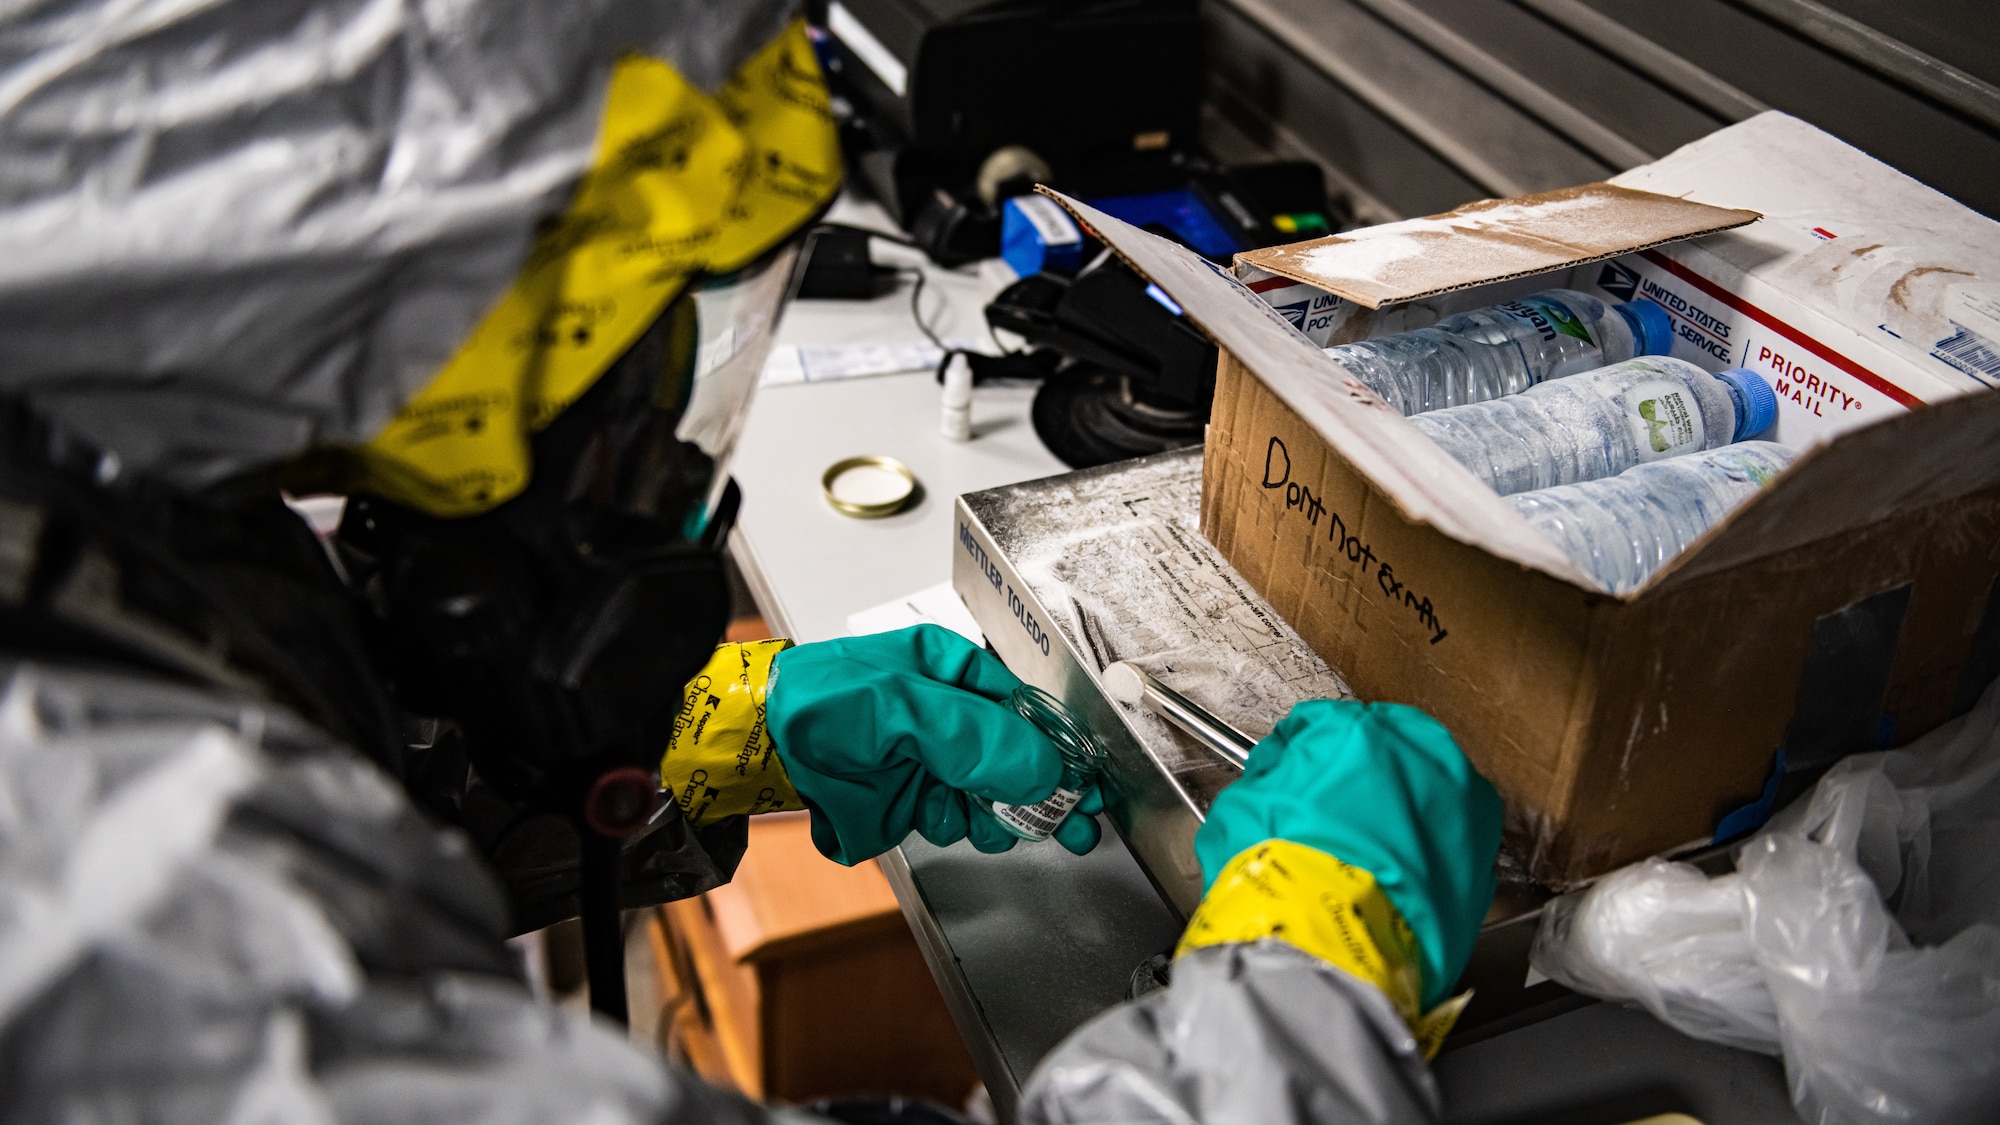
[(1038, 820), (1549, 318), (1664, 418)]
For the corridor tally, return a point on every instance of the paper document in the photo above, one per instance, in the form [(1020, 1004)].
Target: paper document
[(934, 605), (794, 363)]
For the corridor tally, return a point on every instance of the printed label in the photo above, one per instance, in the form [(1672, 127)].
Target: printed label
[(1016, 604), (1310, 309), (1701, 335), (1810, 389), (1038, 820), (1664, 418), (1972, 352), (1049, 220), (1549, 318), (1819, 394)]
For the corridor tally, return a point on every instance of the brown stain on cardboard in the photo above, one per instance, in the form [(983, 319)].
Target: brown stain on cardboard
[(1899, 293)]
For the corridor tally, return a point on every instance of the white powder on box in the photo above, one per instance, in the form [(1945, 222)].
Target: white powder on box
[(1493, 239)]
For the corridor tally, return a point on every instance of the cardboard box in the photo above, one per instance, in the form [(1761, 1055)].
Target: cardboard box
[(1861, 294), (799, 980), (1850, 594)]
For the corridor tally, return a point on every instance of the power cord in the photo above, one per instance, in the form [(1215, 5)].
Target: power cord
[(917, 316), (1008, 363)]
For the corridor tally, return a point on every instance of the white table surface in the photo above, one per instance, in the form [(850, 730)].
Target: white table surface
[(809, 566)]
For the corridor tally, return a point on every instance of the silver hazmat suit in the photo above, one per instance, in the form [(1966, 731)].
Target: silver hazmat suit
[(233, 230), (210, 912)]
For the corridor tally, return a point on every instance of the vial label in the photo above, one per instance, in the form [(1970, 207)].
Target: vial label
[(1037, 821), (1665, 421)]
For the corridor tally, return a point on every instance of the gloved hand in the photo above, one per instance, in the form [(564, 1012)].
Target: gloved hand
[(879, 736), (1360, 834), (902, 731)]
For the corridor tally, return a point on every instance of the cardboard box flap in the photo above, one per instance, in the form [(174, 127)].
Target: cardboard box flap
[(1904, 463), (1814, 190), (1492, 240), (1421, 480)]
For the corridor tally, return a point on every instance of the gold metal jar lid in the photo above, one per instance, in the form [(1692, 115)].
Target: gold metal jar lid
[(891, 499)]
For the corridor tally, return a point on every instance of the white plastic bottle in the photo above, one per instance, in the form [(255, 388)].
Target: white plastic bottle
[(1601, 423), (1621, 529), (1505, 349)]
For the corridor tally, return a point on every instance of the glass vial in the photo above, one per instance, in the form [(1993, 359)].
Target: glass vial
[(1082, 758)]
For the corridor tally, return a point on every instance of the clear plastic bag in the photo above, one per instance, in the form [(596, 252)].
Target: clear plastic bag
[(1859, 936)]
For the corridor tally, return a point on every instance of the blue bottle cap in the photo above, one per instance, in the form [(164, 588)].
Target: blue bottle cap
[(1651, 326), (1757, 403)]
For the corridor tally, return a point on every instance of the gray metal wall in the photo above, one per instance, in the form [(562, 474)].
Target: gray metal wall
[(1420, 105)]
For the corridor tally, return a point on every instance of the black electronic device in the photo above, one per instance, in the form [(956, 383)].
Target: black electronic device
[(839, 267), (955, 104), (1126, 373), (1136, 376)]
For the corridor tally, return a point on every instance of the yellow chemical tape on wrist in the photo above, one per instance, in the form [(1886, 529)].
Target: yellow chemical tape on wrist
[(720, 761), (681, 184), (1330, 909)]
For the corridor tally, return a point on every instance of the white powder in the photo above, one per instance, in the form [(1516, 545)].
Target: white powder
[(1117, 559), (1367, 258), (1512, 230)]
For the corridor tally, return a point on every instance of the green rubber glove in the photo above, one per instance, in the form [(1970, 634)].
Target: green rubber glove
[(1382, 787), (898, 732)]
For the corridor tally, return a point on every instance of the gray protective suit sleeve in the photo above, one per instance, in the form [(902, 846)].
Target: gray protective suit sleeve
[(211, 912), (231, 230), (1257, 1034)]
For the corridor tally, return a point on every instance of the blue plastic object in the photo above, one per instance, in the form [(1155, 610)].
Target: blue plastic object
[(1181, 212), (1759, 402), (1651, 324), (1749, 818), (1036, 235)]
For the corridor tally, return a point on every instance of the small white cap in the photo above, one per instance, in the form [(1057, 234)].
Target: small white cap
[(1125, 683)]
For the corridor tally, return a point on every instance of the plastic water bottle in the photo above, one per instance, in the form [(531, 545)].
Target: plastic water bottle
[(1505, 349), (1601, 423), (1621, 529)]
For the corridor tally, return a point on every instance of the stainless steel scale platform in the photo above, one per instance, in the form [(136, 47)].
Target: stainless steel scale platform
[(1070, 573)]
